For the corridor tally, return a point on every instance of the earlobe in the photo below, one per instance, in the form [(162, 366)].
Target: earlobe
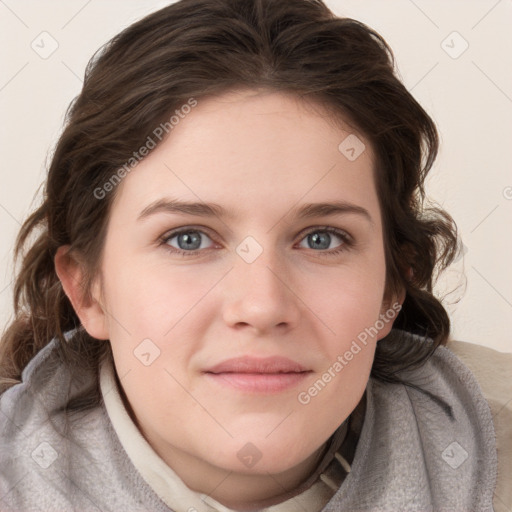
[(87, 306), (389, 312)]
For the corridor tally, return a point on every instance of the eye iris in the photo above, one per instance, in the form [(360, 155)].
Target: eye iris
[(319, 240), (189, 240)]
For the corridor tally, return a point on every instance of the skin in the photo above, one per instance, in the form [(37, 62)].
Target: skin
[(261, 155)]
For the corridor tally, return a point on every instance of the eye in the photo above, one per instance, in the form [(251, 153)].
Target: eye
[(188, 240), (323, 239), (191, 241)]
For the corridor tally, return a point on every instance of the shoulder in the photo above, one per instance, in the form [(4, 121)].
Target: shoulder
[(427, 442), (37, 433), (493, 371), (34, 397), (455, 425), (57, 454)]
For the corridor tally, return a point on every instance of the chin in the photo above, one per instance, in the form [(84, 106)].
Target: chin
[(261, 457)]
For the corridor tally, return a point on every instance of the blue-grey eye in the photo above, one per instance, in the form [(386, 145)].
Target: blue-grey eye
[(322, 240), (188, 240)]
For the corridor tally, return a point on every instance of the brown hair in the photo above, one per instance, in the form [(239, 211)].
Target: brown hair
[(195, 48)]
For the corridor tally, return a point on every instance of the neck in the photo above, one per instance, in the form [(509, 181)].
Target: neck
[(244, 492)]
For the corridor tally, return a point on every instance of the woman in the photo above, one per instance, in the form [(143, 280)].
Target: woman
[(228, 303)]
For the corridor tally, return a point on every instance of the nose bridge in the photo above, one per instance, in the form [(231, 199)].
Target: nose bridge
[(261, 269), (259, 292)]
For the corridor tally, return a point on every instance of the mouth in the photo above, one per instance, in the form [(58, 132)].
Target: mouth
[(259, 382), (258, 375)]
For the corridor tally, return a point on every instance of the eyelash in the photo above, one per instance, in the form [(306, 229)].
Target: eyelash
[(347, 240)]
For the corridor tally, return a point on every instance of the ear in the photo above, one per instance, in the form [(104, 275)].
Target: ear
[(87, 306), (389, 311)]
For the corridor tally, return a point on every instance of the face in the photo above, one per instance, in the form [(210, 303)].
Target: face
[(248, 233)]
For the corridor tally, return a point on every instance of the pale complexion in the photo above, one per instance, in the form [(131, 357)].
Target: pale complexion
[(262, 156)]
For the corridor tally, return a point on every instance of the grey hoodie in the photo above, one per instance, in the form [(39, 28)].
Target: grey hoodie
[(413, 454)]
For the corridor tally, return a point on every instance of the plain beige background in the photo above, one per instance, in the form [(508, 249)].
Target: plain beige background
[(455, 56)]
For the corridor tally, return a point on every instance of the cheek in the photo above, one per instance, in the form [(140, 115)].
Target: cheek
[(347, 301), (158, 319), (337, 386), (153, 337), (152, 300)]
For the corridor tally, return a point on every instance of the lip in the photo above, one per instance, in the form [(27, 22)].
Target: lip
[(249, 364), (258, 375)]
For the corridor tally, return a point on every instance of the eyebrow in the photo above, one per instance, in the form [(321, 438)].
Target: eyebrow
[(332, 208), (187, 208), (202, 209)]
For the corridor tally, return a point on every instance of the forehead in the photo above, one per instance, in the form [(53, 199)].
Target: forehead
[(246, 148)]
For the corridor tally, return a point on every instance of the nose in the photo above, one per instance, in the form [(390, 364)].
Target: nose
[(259, 296)]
